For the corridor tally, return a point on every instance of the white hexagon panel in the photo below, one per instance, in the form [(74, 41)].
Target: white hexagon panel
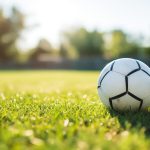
[(125, 103), (125, 65), (113, 84), (139, 84), (144, 67)]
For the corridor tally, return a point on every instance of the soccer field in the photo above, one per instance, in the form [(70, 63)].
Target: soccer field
[(61, 110)]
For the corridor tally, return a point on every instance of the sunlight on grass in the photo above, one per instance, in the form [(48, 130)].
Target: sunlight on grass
[(61, 110)]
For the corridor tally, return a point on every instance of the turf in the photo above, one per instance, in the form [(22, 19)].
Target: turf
[(61, 110)]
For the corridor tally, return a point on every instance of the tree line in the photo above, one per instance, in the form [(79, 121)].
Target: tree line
[(74, 43)]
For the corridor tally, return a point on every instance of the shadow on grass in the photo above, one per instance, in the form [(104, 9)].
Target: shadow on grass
[(137, 120)]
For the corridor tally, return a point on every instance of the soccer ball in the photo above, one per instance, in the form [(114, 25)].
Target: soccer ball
[(124, 84)]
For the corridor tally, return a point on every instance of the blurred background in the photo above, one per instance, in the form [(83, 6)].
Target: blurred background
[(72, 34)]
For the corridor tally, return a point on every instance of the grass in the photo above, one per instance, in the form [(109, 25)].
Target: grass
[(61, 110)]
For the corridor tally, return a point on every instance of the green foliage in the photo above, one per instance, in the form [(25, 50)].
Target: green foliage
[(120, 46), (68, 51), (61, 110), (76, 43), (84, 42), (147, 51), (10, 28), (94, 43), (63, 50)]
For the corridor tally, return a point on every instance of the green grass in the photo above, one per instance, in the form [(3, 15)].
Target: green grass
[(61, 110)]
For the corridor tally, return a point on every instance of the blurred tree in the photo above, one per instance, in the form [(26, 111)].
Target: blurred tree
[(120, 46), (84, 42), (68, 51), (63, 50), (147, 51), (10, 29), (133, 50), (43, 49)]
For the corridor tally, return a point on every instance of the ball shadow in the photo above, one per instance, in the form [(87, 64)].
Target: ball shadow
[(138, 120)]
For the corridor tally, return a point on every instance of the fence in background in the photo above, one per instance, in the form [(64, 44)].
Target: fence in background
[(79, 64)]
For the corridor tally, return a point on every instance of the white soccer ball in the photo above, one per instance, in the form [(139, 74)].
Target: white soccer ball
[(124, 84)]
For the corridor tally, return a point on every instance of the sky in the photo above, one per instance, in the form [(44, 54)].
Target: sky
[(50, 17)]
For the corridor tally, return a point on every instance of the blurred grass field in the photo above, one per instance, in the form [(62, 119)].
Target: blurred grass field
[(61, 110)]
